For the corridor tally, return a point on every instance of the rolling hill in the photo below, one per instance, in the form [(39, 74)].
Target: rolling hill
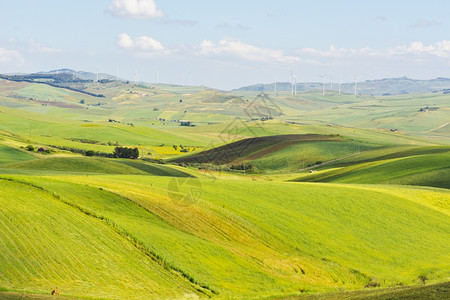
[(239, 231), (10, 155), (235, 195), (251, 148), (81, 254), (94, 165), (410, 169)]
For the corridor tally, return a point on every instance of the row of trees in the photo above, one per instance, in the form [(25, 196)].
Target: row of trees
[(248, 168), (119, 152), (124, 152), (84, 152), (60, 81)]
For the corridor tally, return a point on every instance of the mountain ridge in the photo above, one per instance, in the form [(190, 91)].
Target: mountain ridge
[(376, 87), (384, 86)]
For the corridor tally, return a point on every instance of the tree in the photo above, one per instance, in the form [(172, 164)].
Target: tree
[(90, 153), (30, 148), (124, 152)]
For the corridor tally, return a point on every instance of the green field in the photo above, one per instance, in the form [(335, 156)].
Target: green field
[(10, 155), (431, 292), (46, 243), (426, 170), (95, 165), (275, 244), (343, 197)]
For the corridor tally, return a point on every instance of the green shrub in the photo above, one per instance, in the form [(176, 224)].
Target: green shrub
[(90, 153)]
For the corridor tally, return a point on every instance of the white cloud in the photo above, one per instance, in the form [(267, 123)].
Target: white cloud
[(11, 57), (125, 41), (337, 52), (143, 45), (205, 44), (135, 9), (37, 47), (148, 44), (438, 49), (244, 51)]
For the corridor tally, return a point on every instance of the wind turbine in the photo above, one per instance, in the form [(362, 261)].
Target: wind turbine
[(157, 76), (275, 86), (339, 84), (331, 82), (294, 83), (356, 82), (323, 83)]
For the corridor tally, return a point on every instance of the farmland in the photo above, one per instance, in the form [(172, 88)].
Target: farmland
[(290, 255), (265, 196)]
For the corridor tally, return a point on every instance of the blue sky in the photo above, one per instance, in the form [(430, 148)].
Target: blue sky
[(228, 44)]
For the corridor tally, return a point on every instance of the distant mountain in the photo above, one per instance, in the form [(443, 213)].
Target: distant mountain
[(64, 78), (386, 86), (81, 74)]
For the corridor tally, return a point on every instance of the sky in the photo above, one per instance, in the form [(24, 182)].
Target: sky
[(228, 44)]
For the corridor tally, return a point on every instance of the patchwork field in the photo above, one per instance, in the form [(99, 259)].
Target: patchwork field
[(263, 196)]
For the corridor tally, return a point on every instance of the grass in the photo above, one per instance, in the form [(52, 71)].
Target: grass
[(44, 92), (53, 130), (116, 228), (426, 170), (11, 155), (428, 292), (391, 152), (252, 148), (95, 165), (82, 255), (278, 238), (297, 157)]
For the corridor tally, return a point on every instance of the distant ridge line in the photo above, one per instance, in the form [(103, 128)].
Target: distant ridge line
[(378, 87)]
